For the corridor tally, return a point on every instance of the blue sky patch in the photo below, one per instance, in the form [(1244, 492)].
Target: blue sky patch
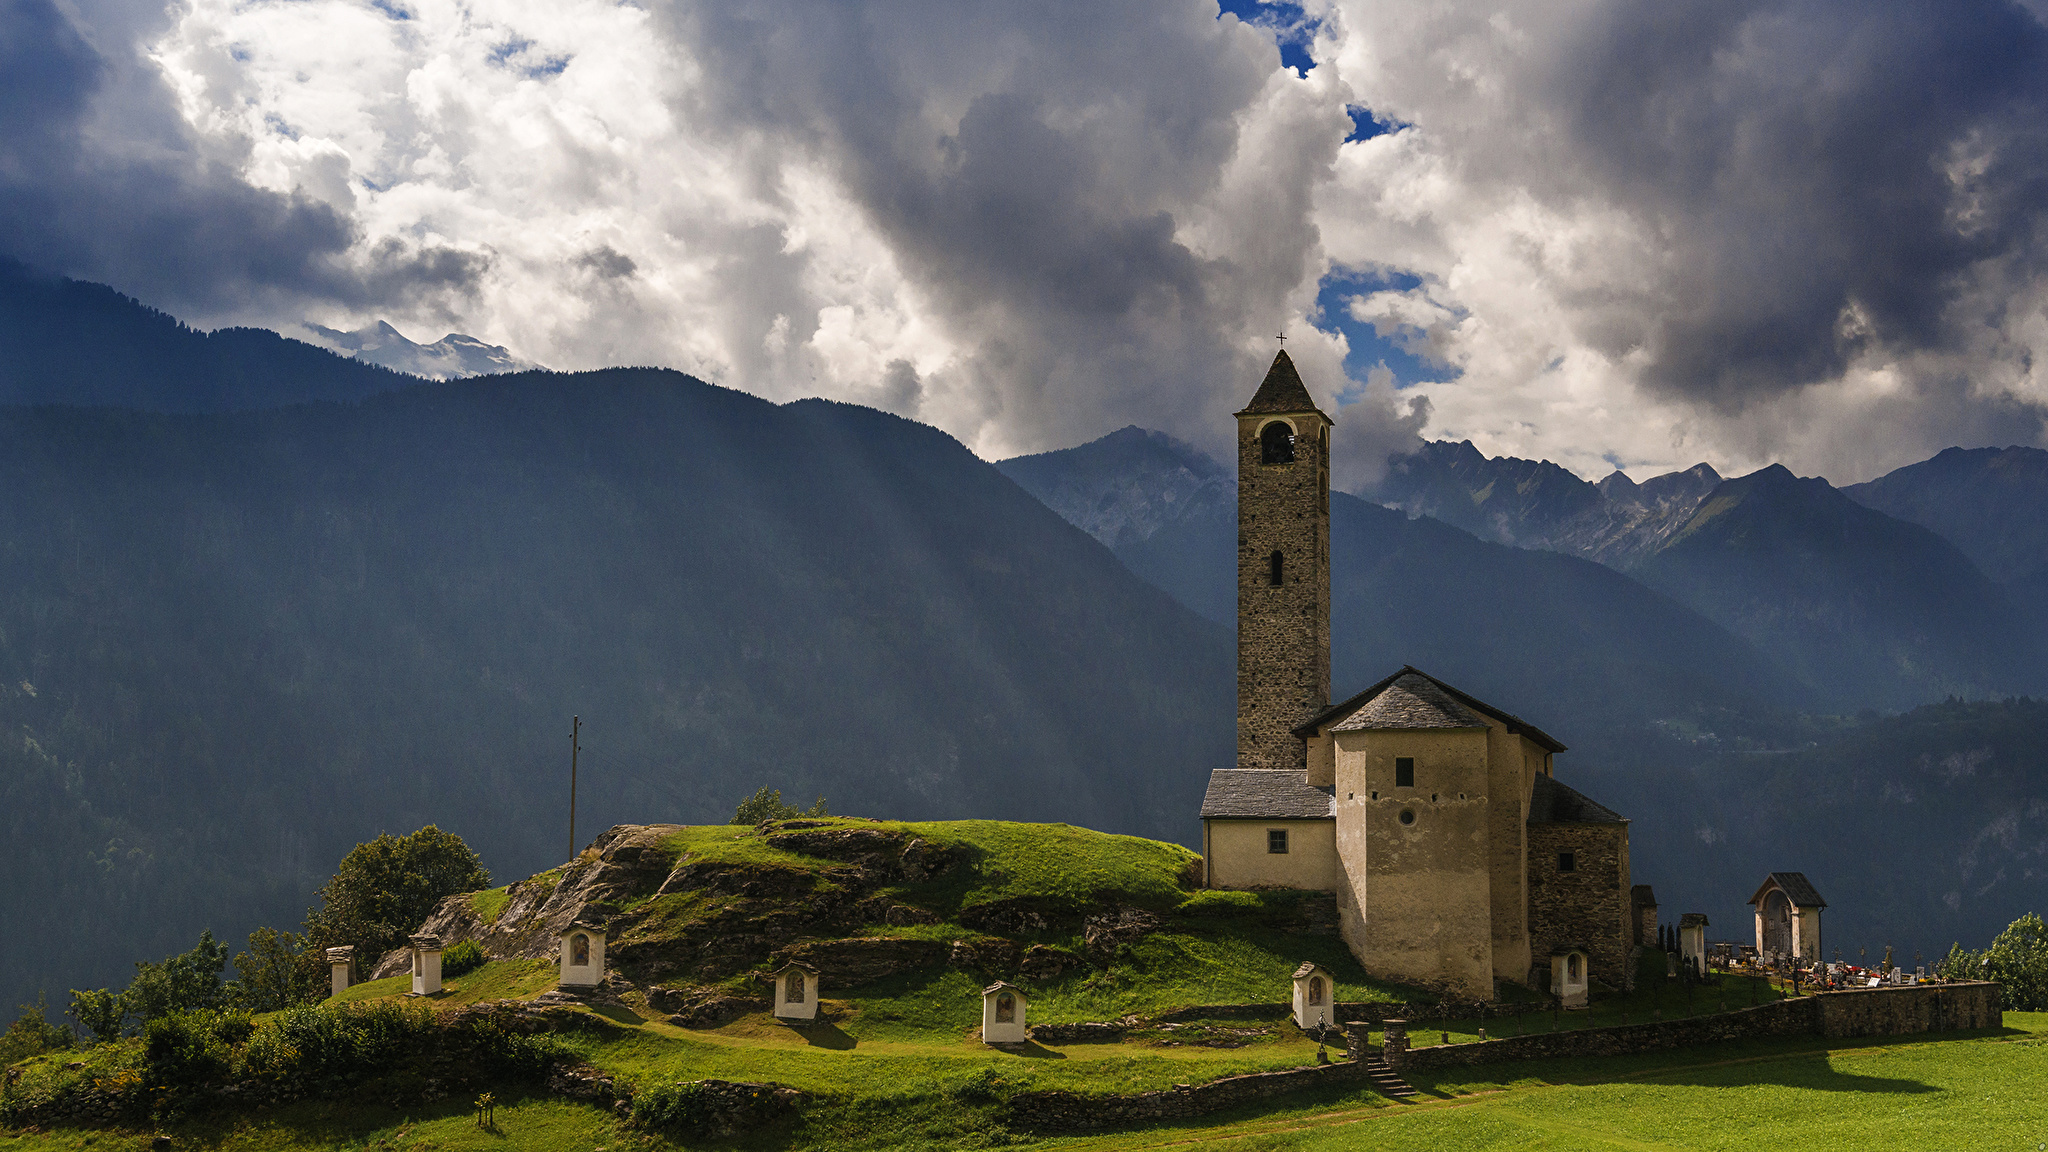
[(1289, 25), (1365, 126), (1367, 347)]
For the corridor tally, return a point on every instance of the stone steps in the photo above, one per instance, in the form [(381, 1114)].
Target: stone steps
[(1385, 1082)]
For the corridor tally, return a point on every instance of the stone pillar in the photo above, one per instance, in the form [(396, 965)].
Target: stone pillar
[(1357, 1035), (339, 961), (426, 965), (1394, 1049)]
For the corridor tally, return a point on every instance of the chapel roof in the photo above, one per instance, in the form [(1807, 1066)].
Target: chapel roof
[(1282, 390), (1412, 698), (1266, 794), (1551, 802), (1693, 920), (1797, 888)]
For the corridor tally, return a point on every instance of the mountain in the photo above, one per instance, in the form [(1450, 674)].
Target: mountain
[(234, 645), (1990, 502), (1543, 634), (1875, 611), (1865, 609), (450, 358), (1921, 830), (71, 342)]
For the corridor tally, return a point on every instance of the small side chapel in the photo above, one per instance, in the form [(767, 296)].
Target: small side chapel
[(1458, 859)]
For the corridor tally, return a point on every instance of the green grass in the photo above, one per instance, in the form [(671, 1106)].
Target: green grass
[(1961, 1090), (497, 980), (489, 903)]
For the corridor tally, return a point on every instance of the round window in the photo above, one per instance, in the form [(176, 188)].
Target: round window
[(1407, 815)]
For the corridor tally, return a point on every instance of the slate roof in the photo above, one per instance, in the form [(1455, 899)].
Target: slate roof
[(1411, 701), (1265, 794), (1553, 803), (1641, 897), (1430, 689), (1282, 390), (1307, 966), (1798, 889), (1693, 920)]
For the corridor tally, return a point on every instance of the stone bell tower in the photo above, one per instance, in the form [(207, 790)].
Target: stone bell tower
[(1283, 568)]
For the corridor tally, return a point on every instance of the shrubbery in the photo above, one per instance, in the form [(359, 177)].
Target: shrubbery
[(329, 1050), (767, 805), (675, 1107), (2018, 959), (463, 956)]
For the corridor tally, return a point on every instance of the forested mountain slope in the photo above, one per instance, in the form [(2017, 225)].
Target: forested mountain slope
[(72, 342), (235, 645)]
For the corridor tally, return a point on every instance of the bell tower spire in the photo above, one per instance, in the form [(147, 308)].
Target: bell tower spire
[(1283, 568)]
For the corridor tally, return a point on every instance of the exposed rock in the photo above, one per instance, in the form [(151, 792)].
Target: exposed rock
[(863, 959), (904, 915), (622, 865), (712, 1009), (1106, 932), (1011, 917), (1043, 964), (922, 860), (986, 954)]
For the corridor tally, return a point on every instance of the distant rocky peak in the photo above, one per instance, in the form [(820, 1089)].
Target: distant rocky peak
[(451, 357), (1127, 485)]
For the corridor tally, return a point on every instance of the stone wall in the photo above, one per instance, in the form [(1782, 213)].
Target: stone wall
[(1829, 1015), (1589, 905), (1283, 634), (1071, 1112)]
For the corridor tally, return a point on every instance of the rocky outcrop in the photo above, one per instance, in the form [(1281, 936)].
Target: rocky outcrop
[(619, 867), (863, 959)]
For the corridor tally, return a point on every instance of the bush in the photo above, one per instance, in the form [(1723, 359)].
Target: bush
[(179, 984), (767, 805), (672, 1107), (187, 1049), (32, 1035), (2017, 959), (464, 956)]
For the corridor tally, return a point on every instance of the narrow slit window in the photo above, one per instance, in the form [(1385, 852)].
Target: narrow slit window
[(1404, 771), (1276, 841), (1276, 573), (1566, 862)]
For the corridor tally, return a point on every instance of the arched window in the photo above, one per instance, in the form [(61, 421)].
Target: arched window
[(1276, 443), (1006, 1009), (1276, 565), (796, 988), (1315, 989), (1571, 968), (579, 951)]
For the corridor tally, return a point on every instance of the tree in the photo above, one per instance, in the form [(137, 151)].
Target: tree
[(179, 983), (386, 888), (2018, 959), (278, 971), (767, 805), (32, 1035), (100, 1012)]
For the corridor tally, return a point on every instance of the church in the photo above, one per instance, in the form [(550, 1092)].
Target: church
[(1457, 858)]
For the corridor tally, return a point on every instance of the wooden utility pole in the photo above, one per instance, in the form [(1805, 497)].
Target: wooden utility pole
[(575, 732)]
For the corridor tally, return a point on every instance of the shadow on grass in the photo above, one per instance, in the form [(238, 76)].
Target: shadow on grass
[(618, 1014), (1031, 1049), (824, 1034), (330, 1123)]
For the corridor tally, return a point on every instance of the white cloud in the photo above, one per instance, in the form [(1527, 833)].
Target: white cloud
[(1800, 230)]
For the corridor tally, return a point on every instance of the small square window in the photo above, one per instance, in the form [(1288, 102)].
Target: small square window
[(1276, 841), (1404, 771), (1566, 862)]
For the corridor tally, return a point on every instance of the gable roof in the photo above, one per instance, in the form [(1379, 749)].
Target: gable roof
[(1411, 701), (1642, 897), (1425, 688), (1266, 794), (1282, 390), (1693, 920), (1553, 803), (1797, 888)]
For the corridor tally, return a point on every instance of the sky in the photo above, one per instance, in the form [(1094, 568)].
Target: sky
[(1603, 233)]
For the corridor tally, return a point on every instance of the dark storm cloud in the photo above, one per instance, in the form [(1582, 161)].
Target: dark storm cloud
[(99, 178), (1832, 178)]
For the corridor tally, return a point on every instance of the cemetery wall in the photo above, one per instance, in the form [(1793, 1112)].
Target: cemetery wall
[(1857, 1012)]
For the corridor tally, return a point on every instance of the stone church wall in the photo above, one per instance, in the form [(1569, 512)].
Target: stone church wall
[(1589, 905)]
